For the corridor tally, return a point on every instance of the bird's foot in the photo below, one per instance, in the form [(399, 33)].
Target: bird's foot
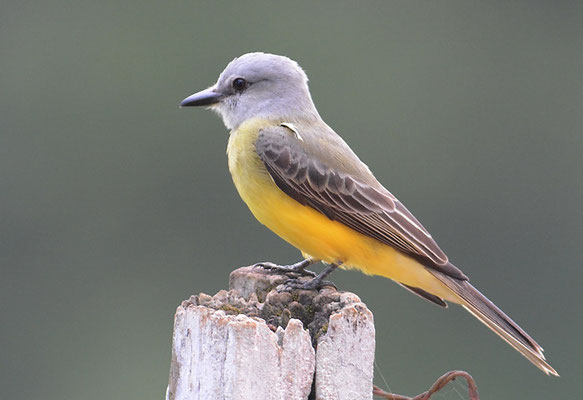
[(297, 268), (313, 284)]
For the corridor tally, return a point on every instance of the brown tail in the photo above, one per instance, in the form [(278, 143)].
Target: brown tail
[(495, 319)]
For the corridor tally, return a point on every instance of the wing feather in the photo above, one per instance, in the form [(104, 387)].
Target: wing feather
[(372, 211)]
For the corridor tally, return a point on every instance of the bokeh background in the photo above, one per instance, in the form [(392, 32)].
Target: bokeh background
[(116, 204)]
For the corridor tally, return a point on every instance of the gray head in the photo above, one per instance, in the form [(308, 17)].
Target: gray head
[(258, 85)]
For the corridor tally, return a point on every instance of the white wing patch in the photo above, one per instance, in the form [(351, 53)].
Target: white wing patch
[(292, 128)]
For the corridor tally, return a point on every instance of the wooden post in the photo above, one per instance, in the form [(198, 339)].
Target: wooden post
[(255, 342)]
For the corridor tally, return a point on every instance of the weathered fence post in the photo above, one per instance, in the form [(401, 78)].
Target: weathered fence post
[(255, 342)]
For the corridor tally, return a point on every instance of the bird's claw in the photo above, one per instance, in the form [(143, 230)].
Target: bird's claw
[(297, 268)]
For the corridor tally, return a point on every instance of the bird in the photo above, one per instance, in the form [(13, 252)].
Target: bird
[(301, 180)]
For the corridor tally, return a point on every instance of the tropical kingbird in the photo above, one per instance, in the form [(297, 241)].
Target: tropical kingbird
[(302, 181)]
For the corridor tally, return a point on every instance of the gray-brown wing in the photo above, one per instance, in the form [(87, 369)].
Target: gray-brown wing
[(344, 198)]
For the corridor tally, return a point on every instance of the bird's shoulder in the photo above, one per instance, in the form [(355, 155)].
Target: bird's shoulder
[(317, 142)]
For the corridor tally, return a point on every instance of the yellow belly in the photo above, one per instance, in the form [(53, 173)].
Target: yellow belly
[(312, 232)]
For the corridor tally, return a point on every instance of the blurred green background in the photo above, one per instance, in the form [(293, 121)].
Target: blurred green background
[(117, 205)]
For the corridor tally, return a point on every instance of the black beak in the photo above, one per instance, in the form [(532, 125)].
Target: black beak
[(205, 97)]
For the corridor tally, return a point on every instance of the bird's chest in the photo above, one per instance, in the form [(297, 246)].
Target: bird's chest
[(246, 168)]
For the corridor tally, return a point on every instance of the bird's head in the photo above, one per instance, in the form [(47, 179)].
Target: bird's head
[(258, 85)]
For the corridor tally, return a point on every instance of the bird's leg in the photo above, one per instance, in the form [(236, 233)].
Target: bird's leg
[(316, 282), (297, 268)]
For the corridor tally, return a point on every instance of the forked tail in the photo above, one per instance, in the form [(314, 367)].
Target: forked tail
[(495, 319)]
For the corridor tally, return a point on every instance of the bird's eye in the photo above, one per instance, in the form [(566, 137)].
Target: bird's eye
[(239, 84)]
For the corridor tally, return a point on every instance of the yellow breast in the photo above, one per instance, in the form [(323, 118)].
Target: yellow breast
[(307, 229)]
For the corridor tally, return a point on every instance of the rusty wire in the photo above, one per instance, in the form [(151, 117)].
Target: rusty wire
[(437, 386)]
